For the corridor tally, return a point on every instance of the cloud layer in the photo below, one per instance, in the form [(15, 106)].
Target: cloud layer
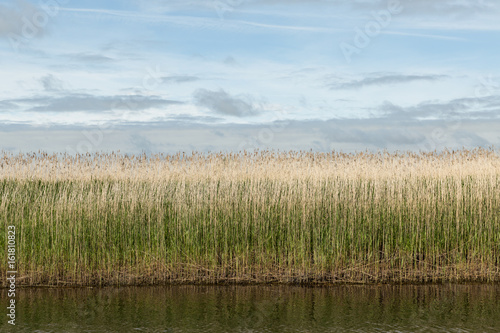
[(174, 75), (335, 134)]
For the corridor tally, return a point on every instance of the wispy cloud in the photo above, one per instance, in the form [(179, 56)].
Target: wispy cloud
[(463, 108), (179, 79), (94, 58), (90, 103), (421, 35), (432, 7), (209, 22), (223, 103), (51, 83), (457, 8), (383, 79)]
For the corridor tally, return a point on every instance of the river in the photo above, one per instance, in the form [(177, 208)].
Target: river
[(382, 308)]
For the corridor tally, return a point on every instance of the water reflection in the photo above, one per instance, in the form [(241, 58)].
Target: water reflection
[(435, 308)]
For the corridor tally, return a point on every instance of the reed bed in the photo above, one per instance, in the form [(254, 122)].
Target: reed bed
[(260, 217)]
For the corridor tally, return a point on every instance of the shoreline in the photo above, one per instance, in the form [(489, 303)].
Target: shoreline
[(493, 277), (281, 285)]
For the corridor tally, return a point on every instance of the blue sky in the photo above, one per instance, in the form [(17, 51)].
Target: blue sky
[(219, 75)]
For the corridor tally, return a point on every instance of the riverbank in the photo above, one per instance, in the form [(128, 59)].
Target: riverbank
[(298, 218)]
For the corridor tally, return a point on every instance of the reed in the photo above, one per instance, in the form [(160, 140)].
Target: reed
[(260, 217)]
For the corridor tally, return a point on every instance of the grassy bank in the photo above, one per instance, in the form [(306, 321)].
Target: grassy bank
[(261, 217)]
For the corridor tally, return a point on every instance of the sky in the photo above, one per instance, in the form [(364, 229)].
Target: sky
[(166, 76)]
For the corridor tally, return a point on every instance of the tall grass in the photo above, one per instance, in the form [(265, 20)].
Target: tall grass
[(296, 217)]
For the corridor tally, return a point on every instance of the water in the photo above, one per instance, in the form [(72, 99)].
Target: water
[(430, 308)]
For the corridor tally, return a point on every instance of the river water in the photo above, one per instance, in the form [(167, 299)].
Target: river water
[(384, 308)]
